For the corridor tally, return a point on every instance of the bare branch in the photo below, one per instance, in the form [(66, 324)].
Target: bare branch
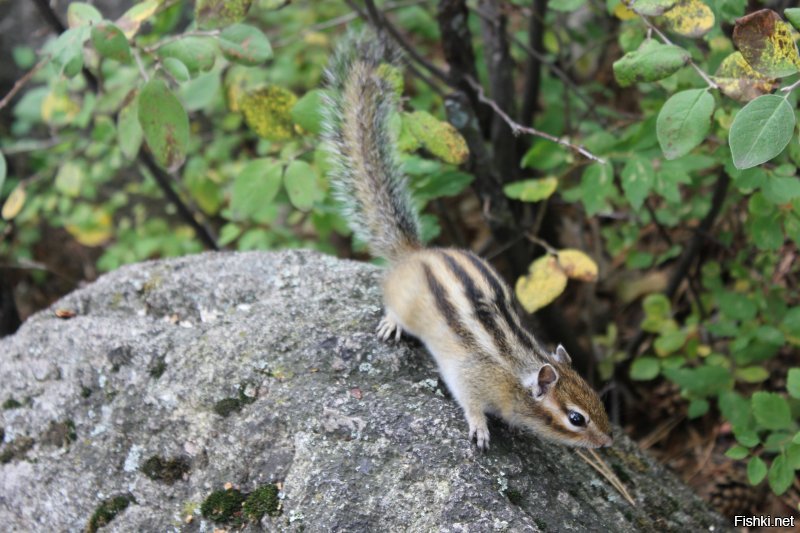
[(20, 83), (517, 128)]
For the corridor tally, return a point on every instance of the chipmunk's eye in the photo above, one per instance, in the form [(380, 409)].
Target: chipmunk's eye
[(576, 419)]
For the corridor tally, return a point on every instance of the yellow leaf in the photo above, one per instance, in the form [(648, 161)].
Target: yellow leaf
[(577, 265), (439, 138), (92, 232), (132, 19), (58, 109), (316, 38), (14, 203), (622, 12), (267, 112), (544, 283), (690, 18), (737, 79)]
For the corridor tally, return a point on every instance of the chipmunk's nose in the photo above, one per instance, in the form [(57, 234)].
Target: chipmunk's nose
[(606, 441)]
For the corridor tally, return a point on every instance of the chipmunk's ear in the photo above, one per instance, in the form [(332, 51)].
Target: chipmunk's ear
[(561, 355), (541, 381)]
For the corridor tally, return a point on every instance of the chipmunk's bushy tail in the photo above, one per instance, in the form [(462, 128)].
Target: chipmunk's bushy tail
[(365, 171)]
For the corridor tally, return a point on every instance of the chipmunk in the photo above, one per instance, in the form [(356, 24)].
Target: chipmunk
[(451, 300)]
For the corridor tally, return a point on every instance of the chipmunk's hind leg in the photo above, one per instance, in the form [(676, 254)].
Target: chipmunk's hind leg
[(389, 325)]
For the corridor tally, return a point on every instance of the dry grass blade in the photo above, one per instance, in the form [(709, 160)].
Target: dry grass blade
[(661, 431), (598, 464)]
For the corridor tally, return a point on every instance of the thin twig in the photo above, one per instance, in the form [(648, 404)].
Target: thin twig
[(20, 83), (791, 87), (343, 19), (377, 19), (137, 56), (517, 128), (711, 83), (541, 242)]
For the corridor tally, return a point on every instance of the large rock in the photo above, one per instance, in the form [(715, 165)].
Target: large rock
[(177, 377)]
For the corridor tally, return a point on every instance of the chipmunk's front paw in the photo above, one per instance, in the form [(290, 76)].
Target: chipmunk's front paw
[(387, 327), (481, 435)]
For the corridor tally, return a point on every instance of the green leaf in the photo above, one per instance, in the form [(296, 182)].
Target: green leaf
[(792, 14), (746, 437), (197, 53), (597, 184), (245, 45), (220, 13), (793, 455), (697, 408), (793, 382), (651, 62), (737, 452), (440, 184), (771, 410), (702, 381), (669, 342), (752, 374), (766, 232), (781, 475), (82, 14), (735, 408), (756, 470), (111, 43), (176, 69), (567, 5), (307, 112), (652, 8), (736, 306), (761, 130), (781, 190), (164, 123), (69, 179), (255, 187), (684, 121), (637, 179), (67, 50), (645, 368), (533, 190), (544, 155), (300, 181), (766, 43), (201, 92), (3, 171)]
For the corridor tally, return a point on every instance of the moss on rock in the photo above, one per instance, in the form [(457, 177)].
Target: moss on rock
[(223, 506), (262, 501), (107, 511), (169, 471)]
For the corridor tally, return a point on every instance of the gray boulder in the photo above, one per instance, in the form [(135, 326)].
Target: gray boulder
[(261, 372)]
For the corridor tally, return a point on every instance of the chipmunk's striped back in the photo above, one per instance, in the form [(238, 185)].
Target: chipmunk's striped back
[(479, 306), (366, 174)]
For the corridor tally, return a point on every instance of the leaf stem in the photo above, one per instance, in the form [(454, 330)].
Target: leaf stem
[(790, 88)]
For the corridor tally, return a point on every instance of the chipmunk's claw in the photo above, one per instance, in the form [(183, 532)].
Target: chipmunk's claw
[(481, 436), (387, 327)]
